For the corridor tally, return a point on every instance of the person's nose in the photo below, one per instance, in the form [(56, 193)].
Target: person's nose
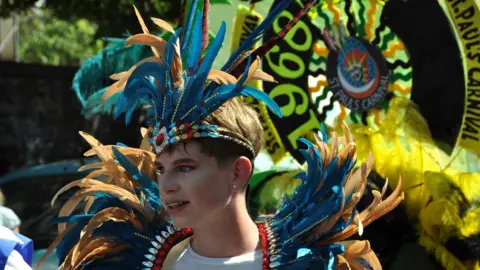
[(168, 184)]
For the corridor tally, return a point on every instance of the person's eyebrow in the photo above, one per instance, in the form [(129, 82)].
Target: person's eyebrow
[(176, 162), (184, 160)]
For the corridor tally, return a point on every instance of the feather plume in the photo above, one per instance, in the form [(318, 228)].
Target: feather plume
[(144, 28), (121, 205), (121, 83), (167, 89), (157, 44), (221, 77), (322, 213), (163, 24)]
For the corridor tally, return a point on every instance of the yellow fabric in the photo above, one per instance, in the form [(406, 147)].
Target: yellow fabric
[(439, 191)]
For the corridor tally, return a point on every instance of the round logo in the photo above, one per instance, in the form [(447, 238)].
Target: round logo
[(357, 74)]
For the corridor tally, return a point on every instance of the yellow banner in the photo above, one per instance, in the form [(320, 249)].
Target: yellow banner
[(245, 21), (465, 17)]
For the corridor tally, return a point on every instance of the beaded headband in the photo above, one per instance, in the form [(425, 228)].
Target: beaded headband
[(162, 138), (178, 81)]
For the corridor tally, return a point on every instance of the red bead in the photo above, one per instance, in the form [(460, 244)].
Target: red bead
[(156, 267), (265, 244), (170, 240), (159, 139)]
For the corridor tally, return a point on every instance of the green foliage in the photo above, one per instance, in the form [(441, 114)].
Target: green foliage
[(47, 40), (68, 32), (113, 17)]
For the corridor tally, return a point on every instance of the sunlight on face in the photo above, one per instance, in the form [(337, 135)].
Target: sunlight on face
[(194, 189)]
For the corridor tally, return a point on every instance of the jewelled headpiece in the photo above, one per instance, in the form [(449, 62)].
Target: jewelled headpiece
[(179, 84)]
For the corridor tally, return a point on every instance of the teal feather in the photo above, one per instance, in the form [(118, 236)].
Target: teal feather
[(92, 78), (170, 50), (149, 185), (188, 27), (207, 63), (263, 97), (309, 208), (194, 53)]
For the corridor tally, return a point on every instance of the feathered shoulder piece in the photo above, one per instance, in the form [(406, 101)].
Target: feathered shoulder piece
[(178, 81), (122, 224), (309, 229)]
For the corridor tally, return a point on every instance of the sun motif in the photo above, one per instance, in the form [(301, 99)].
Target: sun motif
[(360, 19), (356, 64)]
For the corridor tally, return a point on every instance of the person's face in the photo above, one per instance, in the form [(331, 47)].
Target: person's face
[(193, 187)]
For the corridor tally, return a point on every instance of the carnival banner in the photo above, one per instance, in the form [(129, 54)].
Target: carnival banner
[(333, 66), (288, 62), (465, 17)]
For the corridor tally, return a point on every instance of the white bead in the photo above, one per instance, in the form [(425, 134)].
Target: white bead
[(160, 239), (148, 263), (155, 244)]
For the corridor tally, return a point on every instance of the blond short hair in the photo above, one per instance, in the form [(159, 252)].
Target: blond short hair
[(238, 118)]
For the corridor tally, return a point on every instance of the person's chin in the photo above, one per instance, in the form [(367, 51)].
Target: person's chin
[(181, 222), (180, 218)]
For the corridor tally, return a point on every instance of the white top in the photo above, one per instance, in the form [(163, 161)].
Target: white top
[(8, 218), (189, 260), (14, 260)]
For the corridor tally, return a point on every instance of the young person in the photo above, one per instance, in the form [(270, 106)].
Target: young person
[(204, 141)]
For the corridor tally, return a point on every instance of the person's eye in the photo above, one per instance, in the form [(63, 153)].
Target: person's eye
[(160, 170), (185, 168)]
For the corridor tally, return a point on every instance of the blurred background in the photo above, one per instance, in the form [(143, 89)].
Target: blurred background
[(44, 95)]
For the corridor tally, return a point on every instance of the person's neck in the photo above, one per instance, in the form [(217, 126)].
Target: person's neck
[(233, 234)]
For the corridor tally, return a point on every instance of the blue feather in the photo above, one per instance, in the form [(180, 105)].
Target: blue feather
[(137, 175), (206, 65), (188, 26), (324, 132), (308, 208), (263, 97), (122, 102), (194, 52), (170, 50), (148, 69)]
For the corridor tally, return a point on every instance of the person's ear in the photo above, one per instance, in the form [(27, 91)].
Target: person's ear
[(242, 167)]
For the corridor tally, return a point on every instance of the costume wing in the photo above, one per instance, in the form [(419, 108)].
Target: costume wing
[(122, 224), (310, 228)]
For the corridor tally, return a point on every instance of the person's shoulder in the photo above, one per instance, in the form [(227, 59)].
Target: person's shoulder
[(8, 218), (6, 210)]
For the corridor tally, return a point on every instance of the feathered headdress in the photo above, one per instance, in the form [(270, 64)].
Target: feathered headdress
[(178, 81)]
